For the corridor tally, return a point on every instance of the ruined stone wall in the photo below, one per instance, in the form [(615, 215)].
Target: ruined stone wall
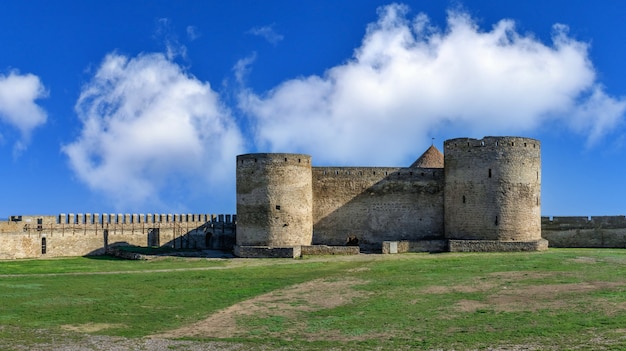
[(593, 232), (90, 234), (493, 189), (374, 204), (274, 200)]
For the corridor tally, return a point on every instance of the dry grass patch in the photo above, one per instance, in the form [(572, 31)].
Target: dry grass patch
[(286, 303), (509, 293), (90, 327), (538, 297)]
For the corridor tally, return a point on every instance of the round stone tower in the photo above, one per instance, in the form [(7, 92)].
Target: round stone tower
[(493, 193), (274, 200)]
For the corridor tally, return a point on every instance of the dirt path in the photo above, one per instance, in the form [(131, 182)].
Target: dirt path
[(287, 303)]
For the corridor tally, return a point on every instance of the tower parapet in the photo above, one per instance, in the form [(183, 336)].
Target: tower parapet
[(492, 189)]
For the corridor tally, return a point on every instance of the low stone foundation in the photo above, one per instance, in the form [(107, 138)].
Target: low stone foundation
[(267, 252), (330, 250), (391, 247), (496, 246)]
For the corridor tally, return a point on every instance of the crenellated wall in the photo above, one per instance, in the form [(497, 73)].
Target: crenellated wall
[(91, 234), (374, 204), (593, 232)]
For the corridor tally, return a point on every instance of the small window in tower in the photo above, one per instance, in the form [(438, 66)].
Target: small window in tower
[(255, 160), (299, 160), (537, 175), (489, 172), (463, 198), (285, 159), (513, 143), (496, 220), (43, 246), (278, 207), (524, 144)]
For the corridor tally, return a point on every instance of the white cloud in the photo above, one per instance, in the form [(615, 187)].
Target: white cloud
[(165, 32), (149, 129), (18, 107), (242, 67), (193, 33), (268, 33), (409, 79)]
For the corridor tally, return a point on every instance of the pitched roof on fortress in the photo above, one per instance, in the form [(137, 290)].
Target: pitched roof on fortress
[(431, 158)]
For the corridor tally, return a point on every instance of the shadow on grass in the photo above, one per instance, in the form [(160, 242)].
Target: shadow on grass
[(103, 257), (125, 251)]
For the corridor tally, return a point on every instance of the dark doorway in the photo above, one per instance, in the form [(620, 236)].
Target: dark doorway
[(105, 235), (153, 237), (207, 240)]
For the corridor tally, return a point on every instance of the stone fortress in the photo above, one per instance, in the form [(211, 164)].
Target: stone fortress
[(483, 195)]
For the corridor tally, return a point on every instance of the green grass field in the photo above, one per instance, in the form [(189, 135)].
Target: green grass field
[(560, 299)]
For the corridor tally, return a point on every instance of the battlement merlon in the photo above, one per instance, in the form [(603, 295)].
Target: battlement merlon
[(120, 219), (491, 142), (378, 172), (274, 158)]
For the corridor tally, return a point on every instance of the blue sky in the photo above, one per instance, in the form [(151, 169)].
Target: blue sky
[(142, 106)]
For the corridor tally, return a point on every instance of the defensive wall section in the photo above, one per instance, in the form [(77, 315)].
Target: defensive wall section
[(365, 206), (592, 232), (93, 234)]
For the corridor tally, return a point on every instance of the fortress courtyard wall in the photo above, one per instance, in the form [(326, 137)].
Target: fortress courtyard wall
[(369, 205), (92, 234), (579, 232)]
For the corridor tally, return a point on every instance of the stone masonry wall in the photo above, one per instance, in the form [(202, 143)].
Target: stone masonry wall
[(493, 189), (89, 234), (274, 200), (375, 204), (594, 231)]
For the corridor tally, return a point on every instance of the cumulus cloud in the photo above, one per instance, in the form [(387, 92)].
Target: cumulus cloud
[(18, 107), (410, 79), (268, 33), (148, 127)]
